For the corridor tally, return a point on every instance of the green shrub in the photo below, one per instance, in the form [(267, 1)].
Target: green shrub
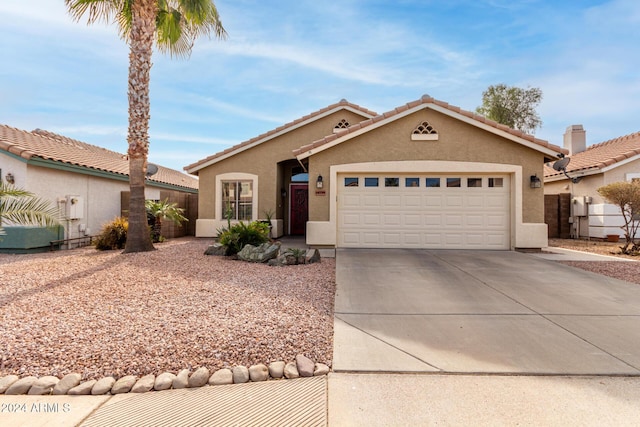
[(113, 235), (238, 235)]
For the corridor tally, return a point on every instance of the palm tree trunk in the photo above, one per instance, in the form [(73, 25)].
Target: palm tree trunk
[(142, 37)]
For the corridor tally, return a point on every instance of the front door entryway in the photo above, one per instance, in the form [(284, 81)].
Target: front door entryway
[(299, 208)]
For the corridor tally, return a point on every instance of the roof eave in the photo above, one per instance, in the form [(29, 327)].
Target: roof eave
[(193, 169), (550, 151)]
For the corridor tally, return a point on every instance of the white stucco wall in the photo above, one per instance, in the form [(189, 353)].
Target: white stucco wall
[(98, 198), (16, 168)]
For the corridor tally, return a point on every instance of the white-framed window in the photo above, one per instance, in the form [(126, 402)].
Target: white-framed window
[(236, 197), (237, 200)]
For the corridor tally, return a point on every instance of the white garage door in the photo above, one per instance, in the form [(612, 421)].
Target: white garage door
[(424, 211)]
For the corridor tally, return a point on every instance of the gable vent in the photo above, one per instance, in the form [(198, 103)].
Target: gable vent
[(424, 132), (342, 124)]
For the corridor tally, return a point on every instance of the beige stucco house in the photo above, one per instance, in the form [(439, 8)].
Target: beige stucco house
[(589, 168), (88, 184), (424, 175)]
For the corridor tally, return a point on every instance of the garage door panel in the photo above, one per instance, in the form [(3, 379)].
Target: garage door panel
[(391, 238), (371, 238), (421, 217), (475, 202), (474, 220), (412, 201), (351, 219), (372, 201), (495, 201), (433, 219), (351, 200), (453, 220), (454, 201), (433, 201), (412, 219)]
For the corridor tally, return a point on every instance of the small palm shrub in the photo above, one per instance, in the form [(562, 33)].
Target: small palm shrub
[(238, 235), (113, 235)]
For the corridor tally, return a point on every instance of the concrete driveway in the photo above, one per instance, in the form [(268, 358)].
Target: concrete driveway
[(481, 312)]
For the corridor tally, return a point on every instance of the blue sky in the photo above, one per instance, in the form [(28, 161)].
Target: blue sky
[(284, 59)]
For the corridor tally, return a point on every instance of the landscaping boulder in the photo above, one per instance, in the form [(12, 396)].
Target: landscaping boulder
[(124, 384), (144, 384), (276, 369), (320, 369), (291, 370), (313, 255), (216, 249), (44, 386), (262, 253), (288, 258), (164, 381), (221, 377), (21, 386), (103, 386), (6, 382), (258, 372), (83, 388), (182, 379), (305, 366), (67, 382), (199, 377), (240, 374)]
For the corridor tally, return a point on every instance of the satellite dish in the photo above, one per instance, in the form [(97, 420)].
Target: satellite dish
[(151, 169), (562, 164)]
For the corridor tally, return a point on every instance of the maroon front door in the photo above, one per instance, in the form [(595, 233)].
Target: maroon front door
[(299, 208)]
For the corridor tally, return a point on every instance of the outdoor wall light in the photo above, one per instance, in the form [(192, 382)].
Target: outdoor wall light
[(535, 182), (283, 193), (10, 178), (319, 183)]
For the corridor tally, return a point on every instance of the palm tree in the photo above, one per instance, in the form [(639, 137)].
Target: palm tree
[(161, 210), (22, 207), (174, 25)]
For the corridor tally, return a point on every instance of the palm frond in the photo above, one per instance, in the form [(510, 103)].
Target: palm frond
[(18, 206), (28, 211), (94, 10)]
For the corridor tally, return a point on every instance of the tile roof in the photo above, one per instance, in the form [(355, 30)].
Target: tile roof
[(426, 99), (268, 135), (601, 155), (58, 148)]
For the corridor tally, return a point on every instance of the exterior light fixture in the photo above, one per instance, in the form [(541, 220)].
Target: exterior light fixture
[(283, 193), (535, 182), (10, 178), (319, 183)]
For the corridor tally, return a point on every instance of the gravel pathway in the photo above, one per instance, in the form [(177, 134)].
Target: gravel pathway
[(108, 314)]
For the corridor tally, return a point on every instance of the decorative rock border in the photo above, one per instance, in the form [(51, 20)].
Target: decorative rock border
[(71, 384)]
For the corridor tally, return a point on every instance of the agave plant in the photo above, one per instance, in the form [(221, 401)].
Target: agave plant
[(21, 207)]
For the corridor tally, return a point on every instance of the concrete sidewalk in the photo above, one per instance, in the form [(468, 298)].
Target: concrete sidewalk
[(296, 402)]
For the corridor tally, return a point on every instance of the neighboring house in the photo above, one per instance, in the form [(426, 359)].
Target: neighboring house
[(587, 213), (89, 185), (424, 175)]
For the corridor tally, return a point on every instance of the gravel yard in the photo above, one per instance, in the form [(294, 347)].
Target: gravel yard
[(629, 271), (108, 314)]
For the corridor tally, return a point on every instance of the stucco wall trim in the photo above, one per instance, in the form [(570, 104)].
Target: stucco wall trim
[(523, 235)]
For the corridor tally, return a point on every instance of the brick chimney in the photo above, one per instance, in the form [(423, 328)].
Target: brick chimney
[(575, 139)]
